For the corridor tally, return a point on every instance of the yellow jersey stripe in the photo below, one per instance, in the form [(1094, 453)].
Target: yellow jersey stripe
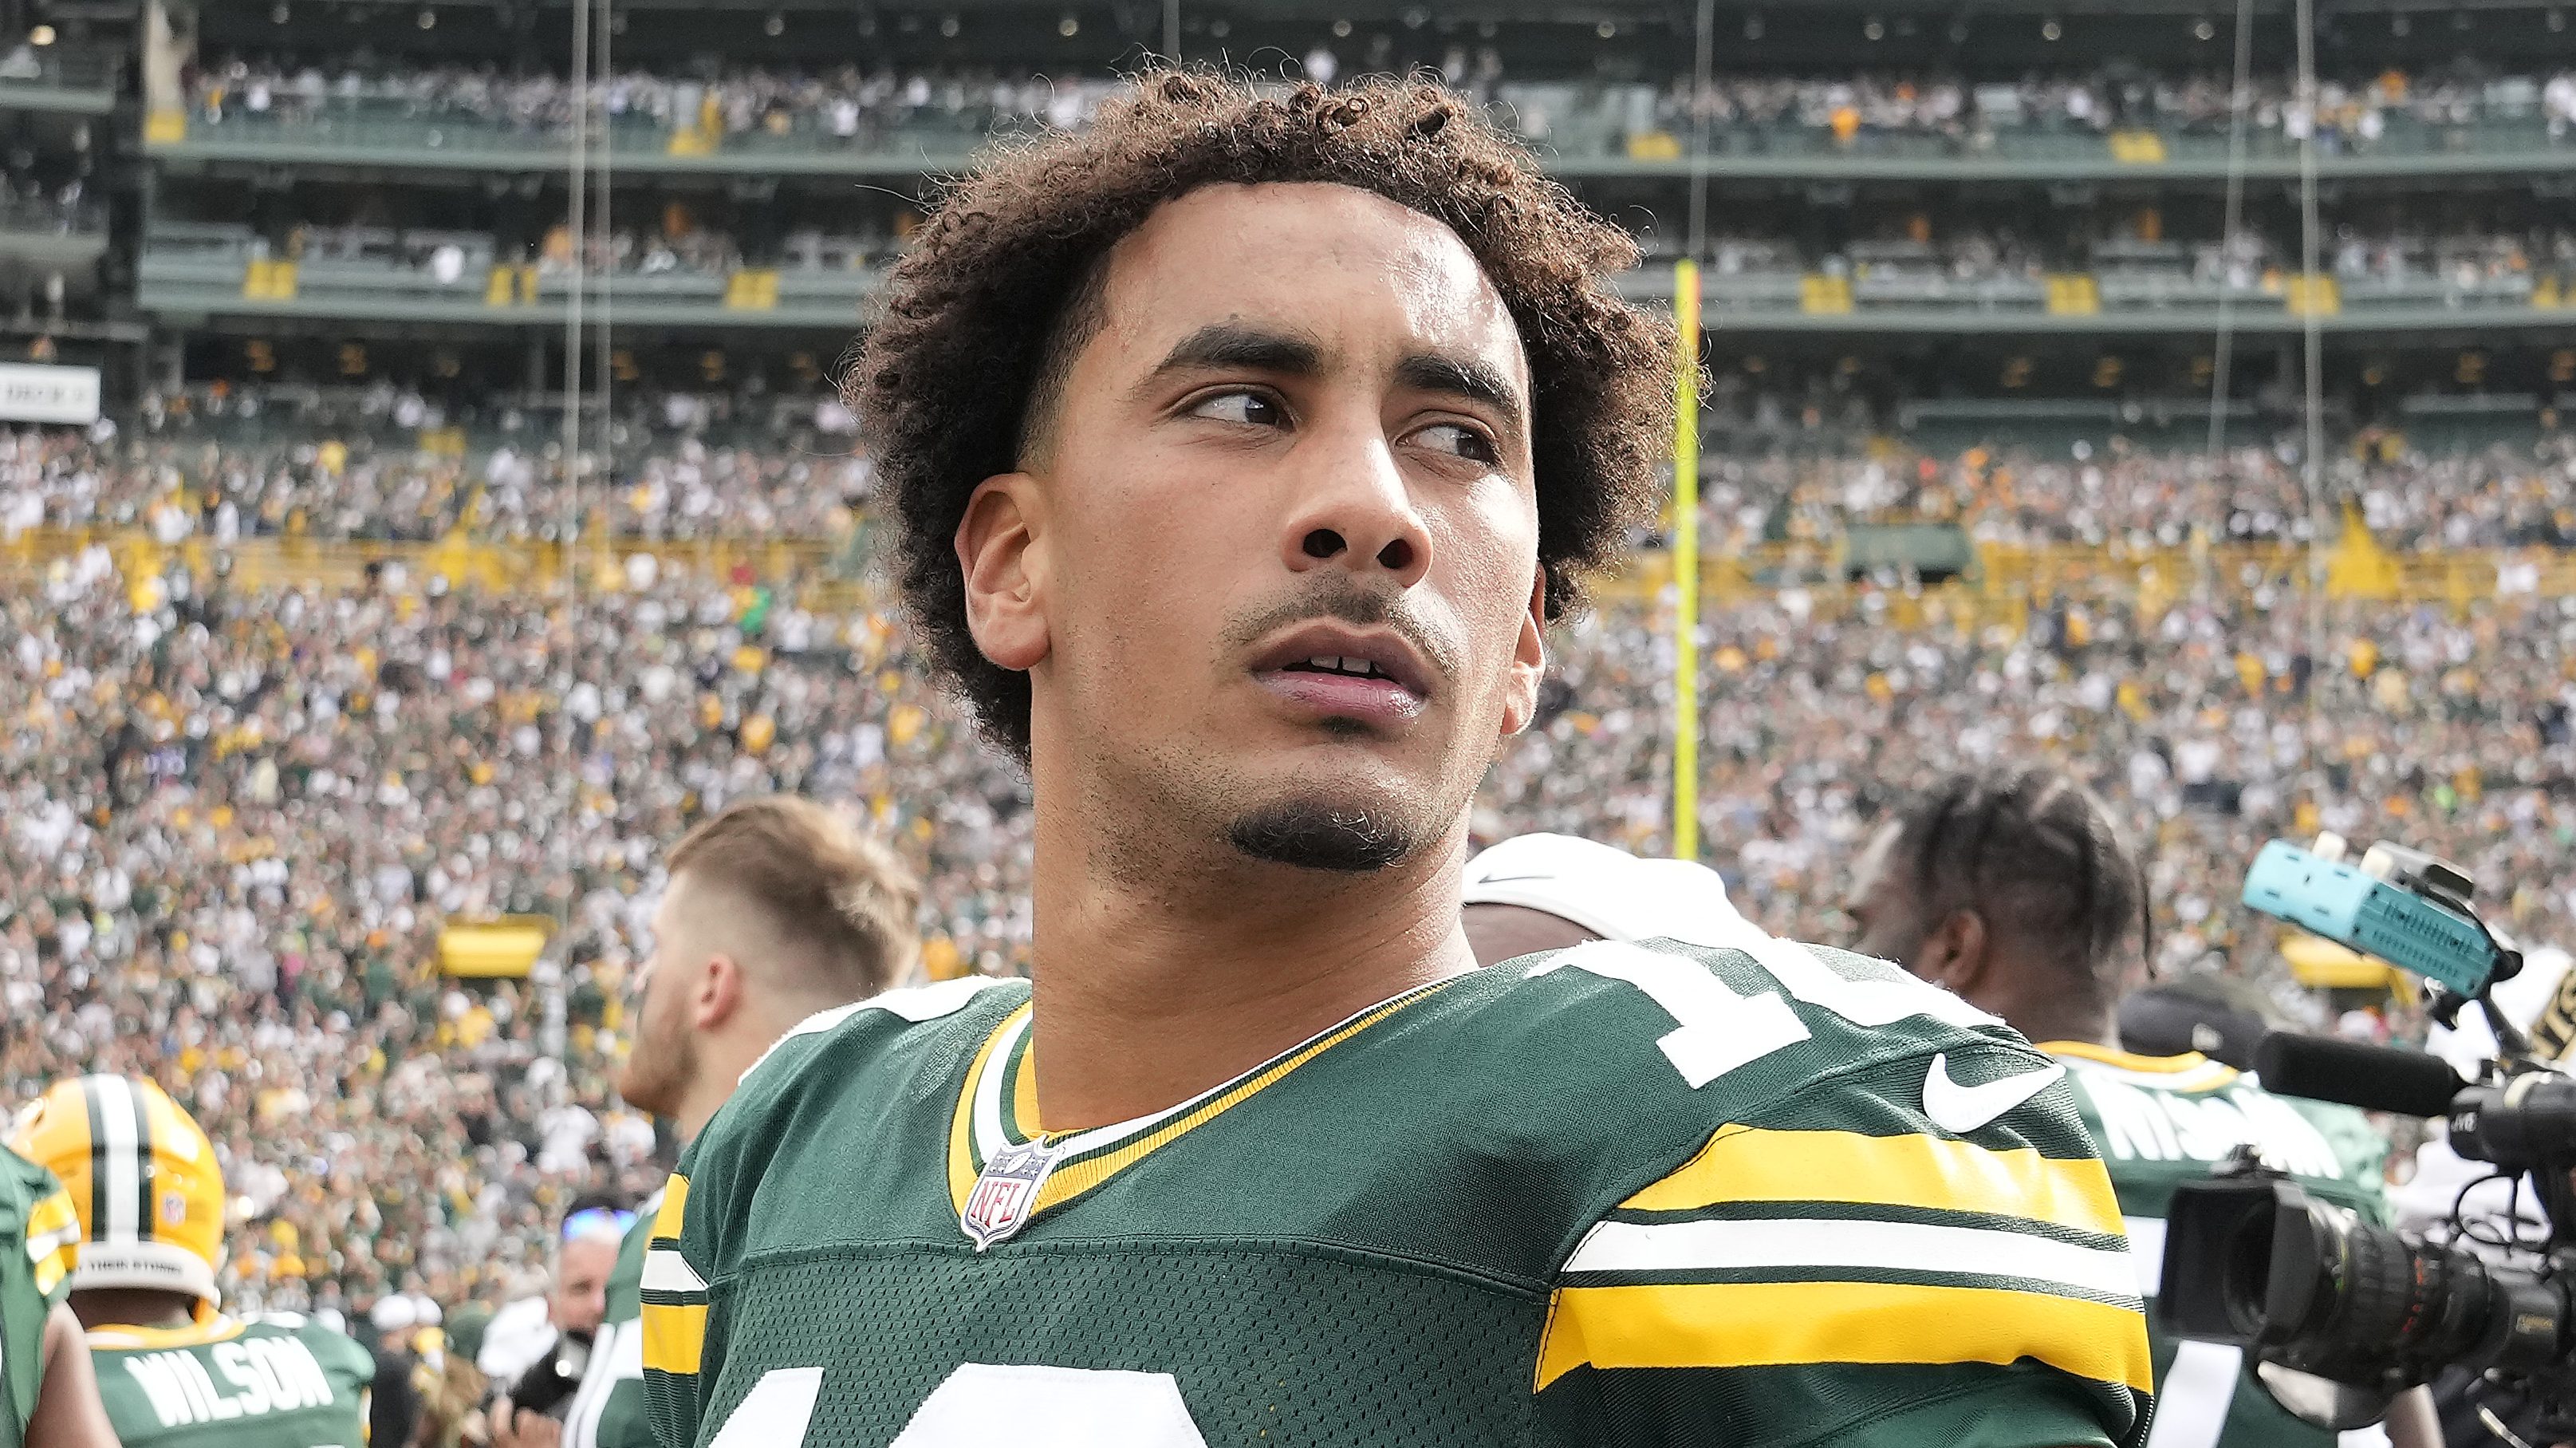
[(1771, 1324), (674, 1211), (1752, 1164), (2125, 1060), (54, 1214), (961, 1127), (53, 1240), (674, 1337)]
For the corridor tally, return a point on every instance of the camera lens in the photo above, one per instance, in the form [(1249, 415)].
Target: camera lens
[(2245, 1273), (2385, 1285)]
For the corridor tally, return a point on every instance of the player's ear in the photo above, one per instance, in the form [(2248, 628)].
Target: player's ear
[(1005, 570), (1529, 661), (719, 994), (1954, 954)]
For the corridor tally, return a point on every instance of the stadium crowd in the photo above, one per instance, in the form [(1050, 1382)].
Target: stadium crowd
[(237, 821), (2350, 114), (2502, 495), (222, 467), (246, 812)]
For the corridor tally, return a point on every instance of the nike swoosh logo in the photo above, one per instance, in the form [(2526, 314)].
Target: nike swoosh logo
[(1961, 1109)]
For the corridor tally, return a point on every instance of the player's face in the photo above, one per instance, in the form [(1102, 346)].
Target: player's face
[(664, 1057), (1280, 561), (579, 1298)]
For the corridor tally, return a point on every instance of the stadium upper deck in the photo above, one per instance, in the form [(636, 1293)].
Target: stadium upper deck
[(2017, 204)]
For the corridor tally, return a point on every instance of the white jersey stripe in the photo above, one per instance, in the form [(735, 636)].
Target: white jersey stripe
[(916, 1003), (45, 1245), (2191, 1403), (988, 1091), (2147, 1251), (1825, 1246), (668, 1271)]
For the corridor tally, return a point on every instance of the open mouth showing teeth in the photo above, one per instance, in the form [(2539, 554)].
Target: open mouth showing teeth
[(1334, 664)]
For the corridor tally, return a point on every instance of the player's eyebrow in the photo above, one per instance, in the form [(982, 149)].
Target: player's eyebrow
[(1223, 346), (1231, 345), (1472, 378)]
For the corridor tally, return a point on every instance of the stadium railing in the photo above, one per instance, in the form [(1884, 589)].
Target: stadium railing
[(71, 82), (202, 269), (1600, 134)]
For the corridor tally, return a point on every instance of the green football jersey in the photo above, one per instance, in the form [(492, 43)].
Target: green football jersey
[(39, 1232), (273, 1381), (2162, 1121), (609, 1410), (1617, 1194)]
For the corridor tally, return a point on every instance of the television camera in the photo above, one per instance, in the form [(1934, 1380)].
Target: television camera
[(2341, 1314)]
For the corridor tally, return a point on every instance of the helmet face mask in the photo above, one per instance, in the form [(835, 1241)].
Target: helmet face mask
[(142, 1175)]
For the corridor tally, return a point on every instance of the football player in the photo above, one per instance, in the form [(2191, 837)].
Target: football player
[(48, 1387), (771, 911), (1241, 447), (173, 1370), (2010, 887)]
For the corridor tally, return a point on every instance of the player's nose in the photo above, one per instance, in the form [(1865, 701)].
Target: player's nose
[(1353, 509)]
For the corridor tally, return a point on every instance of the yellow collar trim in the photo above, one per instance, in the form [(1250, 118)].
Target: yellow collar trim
[(963, 1162), (2126, 1061), (2190, 1071), (1122, 1146), (145, 1339)]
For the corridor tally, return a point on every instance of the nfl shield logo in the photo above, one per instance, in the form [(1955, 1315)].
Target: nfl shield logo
[(1007, 1192)]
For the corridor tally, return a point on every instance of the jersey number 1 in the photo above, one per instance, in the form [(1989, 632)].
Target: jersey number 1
[(1715, 1030), (986, 1403)]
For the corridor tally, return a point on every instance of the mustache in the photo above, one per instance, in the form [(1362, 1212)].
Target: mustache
[(1360, 608)]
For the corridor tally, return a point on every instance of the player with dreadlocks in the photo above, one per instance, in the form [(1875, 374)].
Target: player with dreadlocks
[(2010, 887), (1242, 447)]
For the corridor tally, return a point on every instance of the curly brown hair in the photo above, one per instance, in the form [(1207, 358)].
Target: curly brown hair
[(979, 321)]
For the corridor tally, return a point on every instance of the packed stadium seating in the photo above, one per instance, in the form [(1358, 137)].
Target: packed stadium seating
[(222, 469), (186, 891), (310, 653)]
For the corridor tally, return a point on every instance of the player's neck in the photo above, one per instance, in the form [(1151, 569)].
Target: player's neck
[(2054, 1023), (98, 1307), (723, 1058), (1148, 994)]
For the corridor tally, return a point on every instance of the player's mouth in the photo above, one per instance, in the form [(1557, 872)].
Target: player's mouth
[(1333, 671)]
